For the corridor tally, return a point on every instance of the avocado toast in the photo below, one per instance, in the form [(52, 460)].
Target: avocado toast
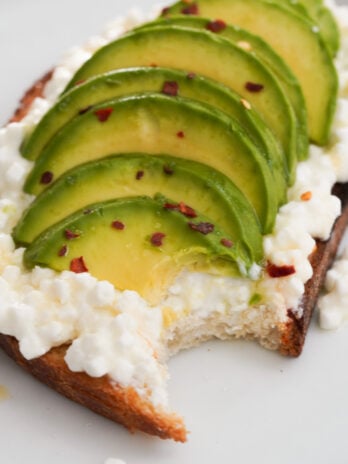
[(177, 205)]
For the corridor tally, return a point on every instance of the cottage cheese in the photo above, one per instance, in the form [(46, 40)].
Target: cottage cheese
[(333, 305), (118, 333)]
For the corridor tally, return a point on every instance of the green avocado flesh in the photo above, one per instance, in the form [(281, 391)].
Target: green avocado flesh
[(172, 147), (157, 124), (185, 182), (259, 48), (136, 244), (328, 29), (118, 83), (322, 16), (297, 42), (209, 55)]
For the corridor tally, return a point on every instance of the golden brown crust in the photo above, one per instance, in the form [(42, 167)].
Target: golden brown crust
[(122, 405), (35, 91)]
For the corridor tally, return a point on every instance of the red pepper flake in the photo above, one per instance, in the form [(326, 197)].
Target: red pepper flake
[(165, 11), (171, 206), (103, 114), (153, 65), (204, 228), (70, 235), (216, 26), (139, 175), (157, 239), (170, 88), (275, 271), (168, 170), (46, 178), (182, 208), (118, 225), (306, 196), (78, 265), (63, 251), (84, 110), (191, 9), (187, 210), (226, 243), (180, 134), (191, 75), (81, 81), (253, 87)]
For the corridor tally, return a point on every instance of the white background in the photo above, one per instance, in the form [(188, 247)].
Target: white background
[(242, 404)]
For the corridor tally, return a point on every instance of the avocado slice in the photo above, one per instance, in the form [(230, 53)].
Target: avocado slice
[(259, 48), (207, 54), (322, 16), (136, 244), (293, 37), (187, 182), (328, 29), (147, 79), (155, 123)]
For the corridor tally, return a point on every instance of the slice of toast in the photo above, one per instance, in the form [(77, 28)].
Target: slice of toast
[(125, 405)]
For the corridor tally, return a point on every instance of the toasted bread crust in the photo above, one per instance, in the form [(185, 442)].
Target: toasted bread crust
[(35, 91), (124, 405), (296, 329)]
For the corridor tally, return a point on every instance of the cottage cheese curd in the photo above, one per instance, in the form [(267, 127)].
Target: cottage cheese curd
[(333, 306), (118, 333)]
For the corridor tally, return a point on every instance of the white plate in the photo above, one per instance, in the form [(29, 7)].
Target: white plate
[(241, 402)]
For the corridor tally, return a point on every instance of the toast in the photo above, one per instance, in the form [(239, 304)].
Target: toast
[(124, 404)]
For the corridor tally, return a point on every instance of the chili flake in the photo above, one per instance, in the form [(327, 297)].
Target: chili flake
[(191, 75), (180, 134), (157, 239), (78, 265), (182, 208), (253, 87), (168, 170), (46, 178), (187, 210), (103, 114), (63, 251), (275, 271), (216, 26), (306, 196), (118, 225), (204, 228), (70, 235), (171, 206), (226, 243), (191, 9), (165, 11), (81, 81), (170, 88), (139, 175)]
